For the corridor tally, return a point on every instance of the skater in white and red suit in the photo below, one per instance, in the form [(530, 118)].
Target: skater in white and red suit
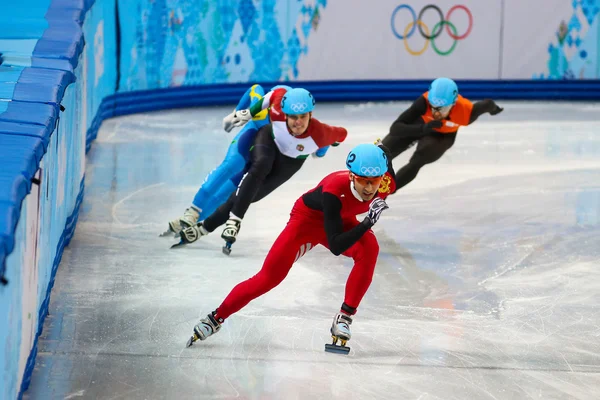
[(279, 150)]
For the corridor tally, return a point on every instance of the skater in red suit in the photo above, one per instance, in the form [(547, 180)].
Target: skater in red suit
[(325, 215)]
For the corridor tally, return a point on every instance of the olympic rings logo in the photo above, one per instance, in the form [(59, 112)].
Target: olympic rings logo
[(437, 30), (299, 107), (370, 171)]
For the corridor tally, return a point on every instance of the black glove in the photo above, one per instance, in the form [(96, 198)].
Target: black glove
[(375, 209), (429, 127), (496, 109)]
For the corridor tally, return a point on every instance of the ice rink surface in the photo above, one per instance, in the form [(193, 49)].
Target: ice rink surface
[(487, 284)]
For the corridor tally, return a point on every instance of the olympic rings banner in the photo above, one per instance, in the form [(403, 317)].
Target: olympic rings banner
[(405, 39)]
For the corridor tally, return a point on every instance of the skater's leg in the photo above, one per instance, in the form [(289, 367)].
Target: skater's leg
[(216, 187), (293, 242), (262, 158), (397, 145), (251, 96), (364, 253), (397, 140), (220, 216), (283, 169), (223, 181), (429, 150)]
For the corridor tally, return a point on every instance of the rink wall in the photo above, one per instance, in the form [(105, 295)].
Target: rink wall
[(67, 65)]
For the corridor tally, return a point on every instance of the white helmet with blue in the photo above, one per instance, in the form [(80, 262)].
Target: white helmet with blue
[(367, 160), (443, 92), (297, 101)]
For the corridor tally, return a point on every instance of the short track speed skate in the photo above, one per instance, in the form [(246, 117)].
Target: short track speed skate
[(207, 326), (232, 228), (227, 248), (191, 234), (340, 332), (189, 218), (191, 340), (337, 348)]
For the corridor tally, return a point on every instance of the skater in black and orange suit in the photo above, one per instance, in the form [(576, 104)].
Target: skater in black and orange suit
[(432, 121)]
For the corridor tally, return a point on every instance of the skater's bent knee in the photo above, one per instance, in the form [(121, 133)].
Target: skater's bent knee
[(367, 247)]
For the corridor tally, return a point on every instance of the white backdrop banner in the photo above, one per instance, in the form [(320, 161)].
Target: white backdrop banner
[(405, 39)]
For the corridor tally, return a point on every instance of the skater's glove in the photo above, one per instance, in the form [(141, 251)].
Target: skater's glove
[(375, 209), (235, 119), (496, 109), (430, 127), (321, 152)]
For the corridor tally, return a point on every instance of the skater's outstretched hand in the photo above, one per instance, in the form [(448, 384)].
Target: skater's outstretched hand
[(236, 118), (320, 152), (496, 109), (375, 209)]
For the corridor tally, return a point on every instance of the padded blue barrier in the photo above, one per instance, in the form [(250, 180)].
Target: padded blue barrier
[(62, 40), (20, 157), (32, 113), (341, 91), (38, 131), (37, 85)]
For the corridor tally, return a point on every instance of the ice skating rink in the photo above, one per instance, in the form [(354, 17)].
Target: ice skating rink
[(487, 284)]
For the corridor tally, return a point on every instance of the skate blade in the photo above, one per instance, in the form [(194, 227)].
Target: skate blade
[(180, 244), (227, 248), (334, 348), (168, 233), (191, 341)]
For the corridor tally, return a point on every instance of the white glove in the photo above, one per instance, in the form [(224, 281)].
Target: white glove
[(236, 118), (376, 208)]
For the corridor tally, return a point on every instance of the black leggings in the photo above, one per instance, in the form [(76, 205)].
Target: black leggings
[(268, 169), (429, 149)]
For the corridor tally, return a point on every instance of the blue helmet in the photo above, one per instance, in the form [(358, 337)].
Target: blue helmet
[(287, 88), (443, 92), (297, 101), (367, 160)]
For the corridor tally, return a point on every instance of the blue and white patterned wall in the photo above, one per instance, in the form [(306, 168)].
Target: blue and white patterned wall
[(573, 52), (172, 43)]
